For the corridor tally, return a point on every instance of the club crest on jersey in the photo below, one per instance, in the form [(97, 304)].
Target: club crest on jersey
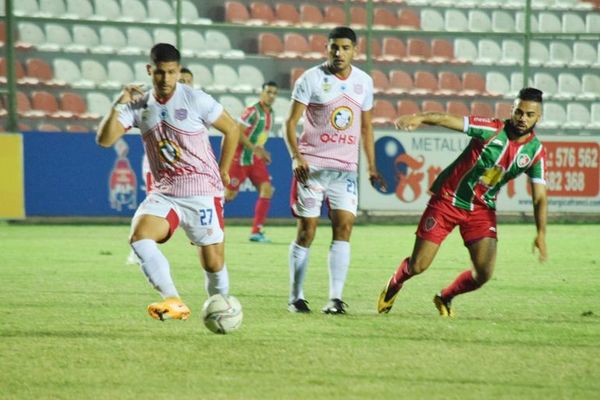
[(342, 118), (358, 88), (164, 113), (523, 160), (181, 114), (169, 151), (430, 223)]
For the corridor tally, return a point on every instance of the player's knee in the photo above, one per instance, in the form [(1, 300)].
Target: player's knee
[(418, 265), (343, 231), (306, 237), (266, 190)]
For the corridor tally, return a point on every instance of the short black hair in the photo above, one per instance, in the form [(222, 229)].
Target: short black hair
[(185, 70), (342, 32), (531, 94), (269, 83), (164, 52)]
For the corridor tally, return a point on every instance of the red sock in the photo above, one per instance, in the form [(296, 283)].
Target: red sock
[(402, 274), (462, 284), (260, 213)]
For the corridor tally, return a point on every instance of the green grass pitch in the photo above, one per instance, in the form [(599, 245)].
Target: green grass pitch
[(73, 323)]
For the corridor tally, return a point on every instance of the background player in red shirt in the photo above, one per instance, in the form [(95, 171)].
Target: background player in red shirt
[(464, 194)]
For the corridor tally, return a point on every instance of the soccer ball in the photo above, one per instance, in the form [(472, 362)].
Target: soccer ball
[(222, 314)]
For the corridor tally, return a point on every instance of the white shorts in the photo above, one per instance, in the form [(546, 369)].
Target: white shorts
[(201, 217), (338, 188)]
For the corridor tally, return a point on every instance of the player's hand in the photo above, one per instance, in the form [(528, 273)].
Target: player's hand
[(300, 167), (539, 243), (262, 154), (225, 177), (130, 93), (408, 122), (377, 181)]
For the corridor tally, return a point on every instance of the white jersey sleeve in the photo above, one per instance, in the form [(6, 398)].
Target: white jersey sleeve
[(210, 110), (302, 90), (368, 100)]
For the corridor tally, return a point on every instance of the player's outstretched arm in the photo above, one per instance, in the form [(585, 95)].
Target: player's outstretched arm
[(110, 129), (229, 128), (412, 122), (299, 164), (540, 213), (366, 131)]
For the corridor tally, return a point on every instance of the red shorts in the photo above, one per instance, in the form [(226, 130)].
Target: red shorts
[(440, 218), (257, 172)]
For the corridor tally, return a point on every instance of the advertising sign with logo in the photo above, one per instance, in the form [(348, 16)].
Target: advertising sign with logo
[(410, 162)]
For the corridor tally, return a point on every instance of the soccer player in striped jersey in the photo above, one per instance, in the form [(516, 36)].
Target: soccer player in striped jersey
[(188, 182), (464, 194), (336, 99), (251, 158)]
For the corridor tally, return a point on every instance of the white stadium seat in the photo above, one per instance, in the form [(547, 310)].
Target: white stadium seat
[(251, 77), (520, 21), (141, 73), (25, 8), (133, 10), (98, 103), (553, 115), (512, 52), (572, 23), (489, 52), (592, 22), (31, 33), (233, 105), (590, 87), (202, 75), (139, 41), (479, 21), (58, 36), (546, 83), (193, 43), (549, 23), (431, 20), (120, 72), (516, 83), (569, 86), (67, 71), (281, 108), (224, 78), (165, 35), (81, 9), (456, 21), (560, 54), (160, 11), (93, 71), (465, 50), (595, 117), (503, 21), (189, 14), (578, 116), (584, 54), (85, 36), (538, 53), (106, 10), (51, 8), (496, 83), (112, 39)]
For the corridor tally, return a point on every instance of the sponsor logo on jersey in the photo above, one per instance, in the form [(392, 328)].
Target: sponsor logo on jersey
[(430, 223), (181, 114), (169, 151), (523, 160), (492, 176), (342, 118), (337, 138)]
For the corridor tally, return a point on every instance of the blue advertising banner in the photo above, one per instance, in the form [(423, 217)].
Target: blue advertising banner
[(67, 174)]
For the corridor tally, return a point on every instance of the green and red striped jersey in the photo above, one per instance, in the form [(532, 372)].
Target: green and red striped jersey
[(488, 163), (258, 122)]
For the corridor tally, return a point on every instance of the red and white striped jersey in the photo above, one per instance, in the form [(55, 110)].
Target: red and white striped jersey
[(332, 119), (175, 135)]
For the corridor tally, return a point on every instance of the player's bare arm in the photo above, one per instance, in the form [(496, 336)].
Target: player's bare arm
[(228, 127), (299, 164), (110, 129), (412, 122), (258, 150), (540, 213), (368, 142)]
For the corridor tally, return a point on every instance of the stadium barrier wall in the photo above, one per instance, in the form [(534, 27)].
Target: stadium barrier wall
[(409, 162), (67, 174), (12, 195)]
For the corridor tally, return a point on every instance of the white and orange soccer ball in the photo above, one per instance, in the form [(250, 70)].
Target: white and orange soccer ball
[(222, 314)]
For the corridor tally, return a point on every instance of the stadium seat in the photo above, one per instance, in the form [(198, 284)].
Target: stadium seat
[(442, 51), (457, 108), (193, 42), (133, 11), (553, 115), (139, 40), (48, 127), (425, 83), (310, 15), (44, 101), (584, 54), (456, 21), (218, 43), (549, 23), (383, 112), (251, 76), (432, 106), (384, 18), (560, 54), (358, 17), (482, 109), (24, 106), (141, 73), (538, 53), (512, 52), (261, 12), (19, 70), (112, 40), (407, 107), (286, 14), (503, 21), (520, 22), (400, 82), (489, 52), (578, 116), (479, 21), (465, 50), (85, 37), (236, 12), (517, 83), (408, 20), (25, 8), (79, 9), (39, 69), (572, 23), (317, 43), (106, 10), (546, 83), (393, 49), (380, 81), (496, 83), (592, 22), (202, 75), (233, 105), (120, 72), (295, 73), (95, 72), (58, 37), (295, 45), (417, 50), (595, 117), (31, 34), (73, 103), (569, 86), (281, 108), (449, 83), (51, 8), (189, 14), (160, 11), (224, 78), (432, 20), (473, 84), (165, 35), (334, 16), (98, 103), (590, 87), (67, 71), (362, 48), (503, 110)]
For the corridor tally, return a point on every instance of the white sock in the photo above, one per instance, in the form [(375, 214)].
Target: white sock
[(155, 266), (298, 262), (339, 261), (217, 282)]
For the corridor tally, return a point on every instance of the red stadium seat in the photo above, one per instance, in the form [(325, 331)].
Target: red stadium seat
[(380, 81), (261, 12), (317, 43), (75, 128), (400, 82), (334, 16), (482, 109), (73, 103), (408, 19), (393, 49), (457, 108), (310, 15), (269, 44), (383, 112), (432, 106), (417, 50), (407, 107), (442, 51), (23, 104), (19, 71), (48, 127), (44, 101), (425, 83), (39, 69), (295, 74), (473, 84), (295, 45), (449, 83), (384, 18), (362, 48), (236, 12), (287, 14), (358, 16), (503, 110)]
